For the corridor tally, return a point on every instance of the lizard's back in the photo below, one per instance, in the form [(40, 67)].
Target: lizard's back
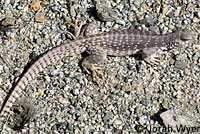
[(128, 42)]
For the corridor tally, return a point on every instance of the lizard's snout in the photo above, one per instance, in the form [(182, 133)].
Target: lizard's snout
[(187, 35)]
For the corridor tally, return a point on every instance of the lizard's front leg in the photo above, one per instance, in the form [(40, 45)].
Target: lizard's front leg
[(150, 55), (80, 30), (77, 26)]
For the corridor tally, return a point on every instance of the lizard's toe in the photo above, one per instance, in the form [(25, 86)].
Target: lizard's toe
[(152, 60), (96, 71)]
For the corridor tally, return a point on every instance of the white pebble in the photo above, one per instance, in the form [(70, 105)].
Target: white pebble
[(54, 72), (143, 119), (66, 88), (1, 67), (1, 80), (47, 78)]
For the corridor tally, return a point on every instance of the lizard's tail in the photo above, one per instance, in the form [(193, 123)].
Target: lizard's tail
[(48, 58)]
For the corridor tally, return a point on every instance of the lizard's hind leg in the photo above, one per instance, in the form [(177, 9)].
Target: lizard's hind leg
[(98, 54)]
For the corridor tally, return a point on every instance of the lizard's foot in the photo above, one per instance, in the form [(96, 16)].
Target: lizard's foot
[(96, 71), (152, 60), (150, 55), (77, 29)]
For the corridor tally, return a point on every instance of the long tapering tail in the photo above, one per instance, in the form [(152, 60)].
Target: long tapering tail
[(52, 56)]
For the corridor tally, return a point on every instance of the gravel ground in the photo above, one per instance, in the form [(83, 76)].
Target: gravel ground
[(66, 97)]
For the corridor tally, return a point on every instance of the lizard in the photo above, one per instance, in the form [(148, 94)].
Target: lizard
[(99, 46)]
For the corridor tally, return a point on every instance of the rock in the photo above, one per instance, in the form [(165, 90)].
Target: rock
[(35, 5), (143, 119), (40, 17), (170, 118), (108, 116), (105, 13), (8, 21), (180, 64), (117, 122)]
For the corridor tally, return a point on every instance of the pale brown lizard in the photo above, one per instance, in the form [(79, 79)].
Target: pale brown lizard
[(115, 43)]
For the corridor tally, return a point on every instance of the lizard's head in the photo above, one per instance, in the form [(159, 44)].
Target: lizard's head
[(184, 37), (187, 35)]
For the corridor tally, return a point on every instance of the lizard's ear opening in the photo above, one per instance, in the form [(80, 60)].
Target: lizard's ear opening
[(187, 34)]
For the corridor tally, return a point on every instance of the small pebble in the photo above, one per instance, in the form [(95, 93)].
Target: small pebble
[(117, 122), (40, 17), (47, 78), (180, 64), (1, 80), (143, 119), (1, 68), (35, 5)]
